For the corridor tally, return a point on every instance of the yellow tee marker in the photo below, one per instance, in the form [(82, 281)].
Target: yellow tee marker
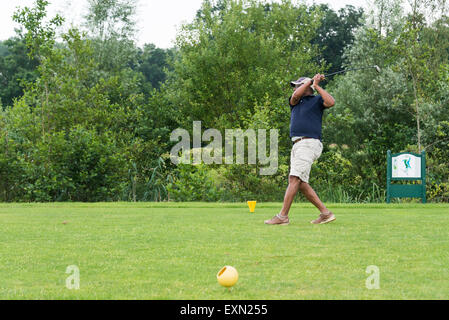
[(252, 206)]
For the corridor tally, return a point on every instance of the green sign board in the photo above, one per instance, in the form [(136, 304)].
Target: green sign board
[(406, 167)]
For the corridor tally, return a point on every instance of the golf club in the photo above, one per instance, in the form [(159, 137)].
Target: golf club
[(293, 84), (354, 69)]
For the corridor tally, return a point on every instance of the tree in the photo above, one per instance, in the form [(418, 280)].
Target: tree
[(153, 63), (400, 109), (231, 59), (335, 33), (386, 16), (111, 19), (16, 69), (416, 54), (3, 49), (111, 25), (438, 35), (73, 130), (40, 36)]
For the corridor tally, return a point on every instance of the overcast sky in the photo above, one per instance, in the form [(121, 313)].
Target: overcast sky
[(158, 20)]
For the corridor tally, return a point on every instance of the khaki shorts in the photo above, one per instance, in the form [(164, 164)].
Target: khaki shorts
[(304, 154)]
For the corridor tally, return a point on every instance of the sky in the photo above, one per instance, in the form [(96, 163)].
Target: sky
[(158, 20)]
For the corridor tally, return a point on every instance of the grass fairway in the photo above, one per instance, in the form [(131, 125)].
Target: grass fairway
[(173, 251)]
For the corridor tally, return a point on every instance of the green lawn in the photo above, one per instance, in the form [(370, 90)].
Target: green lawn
[(173, 251)]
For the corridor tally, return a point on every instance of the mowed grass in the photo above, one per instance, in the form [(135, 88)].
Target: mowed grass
[(174, 251)]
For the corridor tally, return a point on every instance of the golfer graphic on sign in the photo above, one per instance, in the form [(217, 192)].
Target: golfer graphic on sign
[(406, 166)]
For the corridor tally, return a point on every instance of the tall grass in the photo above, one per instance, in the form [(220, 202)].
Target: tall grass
[(341, 194)]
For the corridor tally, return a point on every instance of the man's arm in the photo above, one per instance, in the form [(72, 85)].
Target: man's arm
[(329, 101), (299, 93)]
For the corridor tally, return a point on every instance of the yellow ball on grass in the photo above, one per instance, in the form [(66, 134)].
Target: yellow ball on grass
[(227, 276)]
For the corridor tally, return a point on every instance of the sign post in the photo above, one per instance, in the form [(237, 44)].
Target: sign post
[(406, 167)]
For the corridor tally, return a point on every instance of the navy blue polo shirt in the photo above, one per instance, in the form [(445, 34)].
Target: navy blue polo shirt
[(307, 117)]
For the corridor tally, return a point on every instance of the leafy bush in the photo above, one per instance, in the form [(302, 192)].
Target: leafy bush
[(78, 166), (193, 183)]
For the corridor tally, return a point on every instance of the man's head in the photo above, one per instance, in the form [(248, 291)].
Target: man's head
[(301, 81)]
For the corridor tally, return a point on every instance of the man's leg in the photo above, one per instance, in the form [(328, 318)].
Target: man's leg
[(311, 195), (292, 190), (325, 215)]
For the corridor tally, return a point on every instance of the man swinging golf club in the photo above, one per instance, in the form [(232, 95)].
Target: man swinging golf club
[(305, 130)]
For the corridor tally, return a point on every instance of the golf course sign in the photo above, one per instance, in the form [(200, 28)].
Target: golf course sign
[(406, 167)]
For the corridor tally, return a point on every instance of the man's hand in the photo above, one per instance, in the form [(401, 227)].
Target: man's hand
[(317, 79), (328, 100)]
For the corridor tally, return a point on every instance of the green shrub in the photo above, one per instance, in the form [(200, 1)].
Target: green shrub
[(193, 183), (78, 166)]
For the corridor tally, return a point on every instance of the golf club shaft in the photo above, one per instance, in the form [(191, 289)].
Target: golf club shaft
[(344, 71), (354, 69), (378, 69)]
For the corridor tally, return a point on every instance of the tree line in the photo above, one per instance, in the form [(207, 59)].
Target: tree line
[(87, 114)]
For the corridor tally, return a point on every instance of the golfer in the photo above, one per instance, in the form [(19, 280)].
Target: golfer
[(305, 131)]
